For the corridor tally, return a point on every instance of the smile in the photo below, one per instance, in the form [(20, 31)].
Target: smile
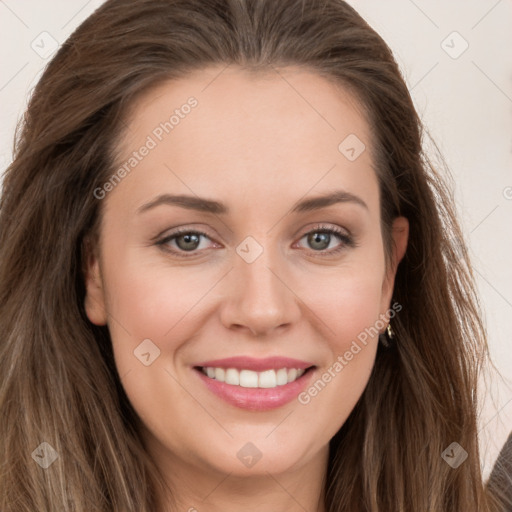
[(256, 384)]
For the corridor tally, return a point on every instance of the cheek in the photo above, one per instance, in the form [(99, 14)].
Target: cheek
[(349, 307), (351, 312), (146, 302), (152, 302), (347, 300)]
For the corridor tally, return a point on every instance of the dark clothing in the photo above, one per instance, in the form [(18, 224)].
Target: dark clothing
[(501, 476)]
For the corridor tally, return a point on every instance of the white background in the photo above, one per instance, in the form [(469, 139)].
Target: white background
[(465, 103)]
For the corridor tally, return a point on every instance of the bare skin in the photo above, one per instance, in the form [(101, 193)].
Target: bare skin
[(258, 144)]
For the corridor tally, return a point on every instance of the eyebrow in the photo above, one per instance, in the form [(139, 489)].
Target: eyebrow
[(210, 206)]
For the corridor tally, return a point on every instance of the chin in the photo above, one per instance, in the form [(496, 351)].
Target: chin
[(259, 456)]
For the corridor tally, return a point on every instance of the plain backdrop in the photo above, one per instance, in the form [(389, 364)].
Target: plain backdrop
[(456, 58)]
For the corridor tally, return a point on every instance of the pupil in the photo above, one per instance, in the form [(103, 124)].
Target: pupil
[(319, 238)]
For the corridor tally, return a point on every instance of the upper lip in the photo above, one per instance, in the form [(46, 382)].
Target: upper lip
[(256, 364)]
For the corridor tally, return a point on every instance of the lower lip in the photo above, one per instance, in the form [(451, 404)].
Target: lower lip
[(257, 399)]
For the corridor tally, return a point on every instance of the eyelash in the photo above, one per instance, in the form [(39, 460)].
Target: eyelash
[(347, 241)]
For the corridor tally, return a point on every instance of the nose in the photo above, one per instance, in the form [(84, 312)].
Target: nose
[(259, 296)]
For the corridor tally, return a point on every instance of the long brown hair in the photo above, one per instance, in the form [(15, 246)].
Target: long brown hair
[(59, 384)]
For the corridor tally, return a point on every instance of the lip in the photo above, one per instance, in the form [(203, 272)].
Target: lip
[(256, 364), (257, 399)]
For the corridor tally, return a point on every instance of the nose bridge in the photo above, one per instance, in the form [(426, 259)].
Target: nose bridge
[(260, 286)]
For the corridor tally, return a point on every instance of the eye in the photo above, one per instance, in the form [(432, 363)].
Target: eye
[(322, 239), (183, 241)]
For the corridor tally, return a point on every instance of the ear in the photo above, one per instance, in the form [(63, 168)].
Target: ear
[(400, 236), (94, 301)]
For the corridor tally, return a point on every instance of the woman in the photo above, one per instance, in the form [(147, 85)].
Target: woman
[(227, 274)]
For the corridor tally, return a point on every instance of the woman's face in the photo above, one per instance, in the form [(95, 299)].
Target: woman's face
[(274, 282)]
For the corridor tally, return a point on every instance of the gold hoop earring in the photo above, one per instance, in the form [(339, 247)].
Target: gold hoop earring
[(386, 337)]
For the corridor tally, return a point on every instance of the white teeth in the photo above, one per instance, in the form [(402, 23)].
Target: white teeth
[(220, 374), (251, 379), (292, 374), (282, 376), (267, 379), (248, 379), (232, 377)]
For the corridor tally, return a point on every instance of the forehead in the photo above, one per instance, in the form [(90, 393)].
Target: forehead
[(273, 132)]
